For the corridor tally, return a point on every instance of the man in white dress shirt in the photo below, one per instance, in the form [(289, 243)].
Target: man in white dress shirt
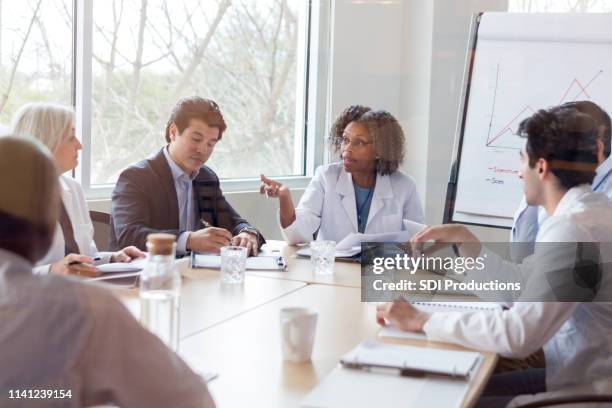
[(528, 218), (64, 343), (559, 161)]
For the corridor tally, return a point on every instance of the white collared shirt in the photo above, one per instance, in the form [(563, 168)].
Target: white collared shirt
[(528, 218), (576, 337), (78, 212), (329, 207), (61, 334)]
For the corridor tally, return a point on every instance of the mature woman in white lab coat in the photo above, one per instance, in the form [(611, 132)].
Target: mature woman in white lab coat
[(364, 192), (73, 249)]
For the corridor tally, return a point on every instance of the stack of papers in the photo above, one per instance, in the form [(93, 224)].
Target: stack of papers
[(120, 273), (119, 268), (351, 244)]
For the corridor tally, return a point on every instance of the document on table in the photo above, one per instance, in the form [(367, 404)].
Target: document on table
[(369, 386), (259, 263), (124, 274), (351, 244), (119, 268), (414, 360), (432, 307)]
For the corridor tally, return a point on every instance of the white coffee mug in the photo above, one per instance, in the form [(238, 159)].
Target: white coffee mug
[(297, 327)]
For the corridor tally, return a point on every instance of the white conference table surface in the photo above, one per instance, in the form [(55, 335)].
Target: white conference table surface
[(246, 351), (206, 301), (300, 269)]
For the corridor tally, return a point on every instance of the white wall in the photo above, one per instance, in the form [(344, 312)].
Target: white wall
[(366, 54), (414, 83), (449, 43)]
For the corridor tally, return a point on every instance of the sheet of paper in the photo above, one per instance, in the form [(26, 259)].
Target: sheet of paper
[(351, 244), (395, 333), (305, 252), (354, 240), (413, 227), (119, 267)]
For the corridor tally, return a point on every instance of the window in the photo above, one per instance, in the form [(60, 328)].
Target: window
[(560, 6), (35, 54), (247, 55), (124, 63)]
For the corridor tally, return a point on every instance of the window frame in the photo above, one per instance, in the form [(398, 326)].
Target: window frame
[(313, 68)]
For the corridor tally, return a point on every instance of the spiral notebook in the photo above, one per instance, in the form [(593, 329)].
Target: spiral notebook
[(432, 307)]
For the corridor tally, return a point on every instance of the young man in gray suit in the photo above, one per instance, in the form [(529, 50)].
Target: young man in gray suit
[(174, 192)]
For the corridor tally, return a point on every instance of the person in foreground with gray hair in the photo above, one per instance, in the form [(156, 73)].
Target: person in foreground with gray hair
[(63, 342), (73, 248)]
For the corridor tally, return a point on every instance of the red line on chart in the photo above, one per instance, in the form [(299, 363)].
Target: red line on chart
[(582, 90), (508, 128)]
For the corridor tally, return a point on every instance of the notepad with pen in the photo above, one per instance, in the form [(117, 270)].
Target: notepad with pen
[(259, 263), (407, 379), (411, 361)]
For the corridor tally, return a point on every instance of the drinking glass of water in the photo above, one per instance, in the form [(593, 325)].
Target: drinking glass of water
[(322, 255), (233, 264)]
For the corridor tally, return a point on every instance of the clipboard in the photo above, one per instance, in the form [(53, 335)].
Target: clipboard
[(253, 263)]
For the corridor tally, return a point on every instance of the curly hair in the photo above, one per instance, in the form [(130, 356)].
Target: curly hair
[(195, 107), (348, 115), (384, 129), (567, 139)]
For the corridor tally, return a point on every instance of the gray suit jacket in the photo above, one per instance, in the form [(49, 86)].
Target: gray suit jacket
[(144, 201)]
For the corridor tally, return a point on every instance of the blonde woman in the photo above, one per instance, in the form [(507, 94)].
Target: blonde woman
[(73, 250)]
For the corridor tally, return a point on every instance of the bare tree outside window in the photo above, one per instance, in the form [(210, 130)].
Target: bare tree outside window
[(560, 6), (35, 53), (241, 53)]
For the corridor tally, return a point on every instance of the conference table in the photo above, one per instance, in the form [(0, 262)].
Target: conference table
[(233, 330)]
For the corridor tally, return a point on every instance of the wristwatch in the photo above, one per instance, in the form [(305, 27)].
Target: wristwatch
[(250, 230)]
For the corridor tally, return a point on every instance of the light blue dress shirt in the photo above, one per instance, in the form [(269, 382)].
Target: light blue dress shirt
[(528, 218), (188, 219)]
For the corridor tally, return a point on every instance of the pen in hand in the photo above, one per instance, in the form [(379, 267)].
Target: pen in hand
[(204, 223), (97, 258)]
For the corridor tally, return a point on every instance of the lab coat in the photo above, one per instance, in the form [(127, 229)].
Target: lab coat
[(76, 207), (576, 337), (328, 206)]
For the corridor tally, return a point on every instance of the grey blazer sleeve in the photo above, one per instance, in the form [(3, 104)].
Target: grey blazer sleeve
[(131, 213)]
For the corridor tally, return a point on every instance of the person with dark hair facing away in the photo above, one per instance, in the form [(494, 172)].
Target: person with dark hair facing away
[(558, 166), (58, 335), (528, 218), (364, 192), (174, 192)]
